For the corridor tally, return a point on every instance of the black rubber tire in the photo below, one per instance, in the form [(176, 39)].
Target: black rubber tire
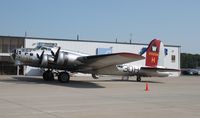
[(48, 76), (64, 77)]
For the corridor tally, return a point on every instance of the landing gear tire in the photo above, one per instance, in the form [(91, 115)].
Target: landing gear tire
[(63, 77), (48, 75), (138, 79)]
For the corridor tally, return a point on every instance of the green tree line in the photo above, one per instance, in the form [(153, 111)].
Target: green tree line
[(190, 60)]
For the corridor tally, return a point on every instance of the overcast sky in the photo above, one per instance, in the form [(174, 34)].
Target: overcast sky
[(175, 22)]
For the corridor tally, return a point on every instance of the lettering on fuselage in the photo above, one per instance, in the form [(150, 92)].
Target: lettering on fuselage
[(130, 69)]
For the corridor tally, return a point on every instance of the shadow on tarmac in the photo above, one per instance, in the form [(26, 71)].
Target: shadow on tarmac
[(37, 80), (73, 83), (120, 80)]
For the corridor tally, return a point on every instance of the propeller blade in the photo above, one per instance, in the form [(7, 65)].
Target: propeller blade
[(58, 51), (55, 52), (56, 55), (52, 53), (40, 56)]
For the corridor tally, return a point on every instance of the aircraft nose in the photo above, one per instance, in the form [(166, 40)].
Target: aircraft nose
[(13, 54)]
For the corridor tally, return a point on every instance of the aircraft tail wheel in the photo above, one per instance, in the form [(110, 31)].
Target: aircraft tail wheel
[(138, 78)]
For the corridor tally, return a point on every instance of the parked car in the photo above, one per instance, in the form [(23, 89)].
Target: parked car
[(190, 71)]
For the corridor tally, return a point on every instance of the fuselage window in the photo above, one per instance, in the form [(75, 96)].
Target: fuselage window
[(19, 52)]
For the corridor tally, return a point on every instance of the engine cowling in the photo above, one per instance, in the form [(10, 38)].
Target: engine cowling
[(61, 58), (44, 61), (65, 58)]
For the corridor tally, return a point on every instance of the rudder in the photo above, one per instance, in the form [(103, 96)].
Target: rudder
[(155, 54)]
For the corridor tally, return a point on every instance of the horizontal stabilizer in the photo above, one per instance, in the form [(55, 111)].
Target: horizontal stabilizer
[(161, 69)]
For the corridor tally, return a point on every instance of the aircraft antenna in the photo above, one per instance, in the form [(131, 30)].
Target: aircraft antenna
[(131, 36)]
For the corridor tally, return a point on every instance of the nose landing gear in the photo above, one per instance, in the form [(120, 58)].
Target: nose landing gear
[(138, 78)]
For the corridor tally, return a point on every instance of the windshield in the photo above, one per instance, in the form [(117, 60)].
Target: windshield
[(44, 46)]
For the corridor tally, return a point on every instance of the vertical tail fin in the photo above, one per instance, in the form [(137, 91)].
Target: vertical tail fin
[(155, 54)]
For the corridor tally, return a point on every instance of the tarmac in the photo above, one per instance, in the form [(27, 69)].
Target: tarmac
[(107, 97)]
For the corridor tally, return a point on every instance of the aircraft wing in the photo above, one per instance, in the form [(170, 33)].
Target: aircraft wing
[(106, 62)]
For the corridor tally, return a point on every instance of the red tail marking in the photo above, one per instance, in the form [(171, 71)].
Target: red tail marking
[(153, 53)]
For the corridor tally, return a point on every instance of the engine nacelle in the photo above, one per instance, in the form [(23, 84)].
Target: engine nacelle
[(44, 61), (61, 58), (66, 58)]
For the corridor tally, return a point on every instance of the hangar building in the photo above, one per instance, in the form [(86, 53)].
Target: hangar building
[(8, 43)]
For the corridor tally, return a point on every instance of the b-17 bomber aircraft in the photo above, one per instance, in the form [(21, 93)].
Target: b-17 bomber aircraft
[(54, 58)]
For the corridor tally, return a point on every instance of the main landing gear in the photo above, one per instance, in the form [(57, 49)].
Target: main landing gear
[(48, 75), (63, 77)]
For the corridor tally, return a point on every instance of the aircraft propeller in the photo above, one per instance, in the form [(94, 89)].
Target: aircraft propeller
[(40, 56), (43, 59), (55, 55)]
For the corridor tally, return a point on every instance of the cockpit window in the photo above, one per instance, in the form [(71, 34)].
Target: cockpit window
[(26, 49), (31, 54), (45, 46), (42, 48)]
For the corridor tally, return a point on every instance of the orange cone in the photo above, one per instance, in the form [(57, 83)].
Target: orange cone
[(147, 87)]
